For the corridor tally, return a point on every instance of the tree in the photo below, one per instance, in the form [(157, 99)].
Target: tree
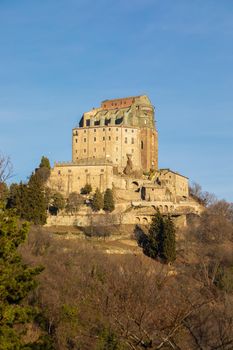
[(161, 239), (98, 201), (45, 163), (73, 202), (3, 194), (167, 245), (57, 203), (109, 204), (86, 189), (6, 168), (16, 280)]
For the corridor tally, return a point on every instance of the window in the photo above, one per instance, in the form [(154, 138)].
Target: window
[(132, 140), (94, 130), (109, 137), (94, 139), (104, 149), (59, 172), (85, 140), (116, 129), (132, 150), (103, 138), (76, 151), (126, 130), (76, 140), (102, 170), (125, 139), (94, 149), (86, 170), (132, 130), (117, 138), (109, 129), (69, 171), (116, 148), (116, 159), (85, 131), (103, 129), (84, 151), (141, 144)]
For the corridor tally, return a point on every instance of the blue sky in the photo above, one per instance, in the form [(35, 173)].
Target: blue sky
[(59, 58)]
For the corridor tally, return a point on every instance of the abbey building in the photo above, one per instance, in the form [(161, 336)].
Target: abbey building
[(116, 146)]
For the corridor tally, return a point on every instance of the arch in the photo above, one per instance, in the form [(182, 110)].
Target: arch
[(144, 221), (160, 208), (137, 219), (165, 209)]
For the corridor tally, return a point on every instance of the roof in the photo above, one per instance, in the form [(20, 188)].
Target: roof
[(171, 171)]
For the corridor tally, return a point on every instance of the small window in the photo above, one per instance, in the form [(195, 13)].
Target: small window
[(141, 144), (116, 129), (84, 150), (59, 172), (104, 149), (126, 130), (85, 131), (109, 137), (116, 148), (94, 130), (85, 140), (103, 138), (102, 170), (132, 140), (103, 129), (132, 130), (116, 159), (86, 170), (94, 139), (132, 150), (109, 129), (76, 140), (69, 171), (94, 149), (126, 140), (76, 151), (117, 138)]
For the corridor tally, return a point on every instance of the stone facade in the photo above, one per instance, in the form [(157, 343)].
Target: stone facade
[(118, 128), (120, 135)]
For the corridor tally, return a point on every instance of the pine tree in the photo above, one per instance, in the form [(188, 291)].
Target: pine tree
[(109, 204), (36, 201), (86, 189), (98, 201), (16, 280)]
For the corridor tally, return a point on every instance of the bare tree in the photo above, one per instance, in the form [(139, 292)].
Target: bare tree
[(6, 168)]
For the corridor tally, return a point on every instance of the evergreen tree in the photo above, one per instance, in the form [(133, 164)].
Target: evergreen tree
[(109, 204), (16, 281), (153, 244), (168, 241), (161, 240), (98, 201), (37, 204), (45, 163)]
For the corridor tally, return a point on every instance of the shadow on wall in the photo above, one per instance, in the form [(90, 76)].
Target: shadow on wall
[(140, 236)]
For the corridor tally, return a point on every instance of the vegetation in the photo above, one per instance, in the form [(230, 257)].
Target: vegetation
[(73, 202), (109, 203), (57, 203), (17, 281), (86, 189), (98, 201), (161, 241)]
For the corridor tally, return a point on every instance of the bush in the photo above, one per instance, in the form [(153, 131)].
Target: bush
[(86, 189)]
